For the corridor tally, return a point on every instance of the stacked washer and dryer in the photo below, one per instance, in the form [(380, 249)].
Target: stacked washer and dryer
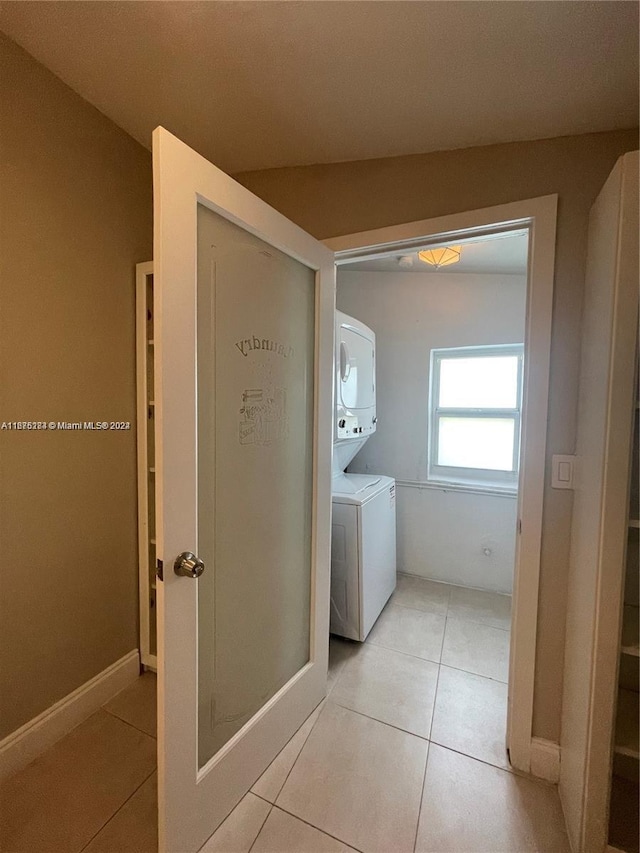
[(363, 543)]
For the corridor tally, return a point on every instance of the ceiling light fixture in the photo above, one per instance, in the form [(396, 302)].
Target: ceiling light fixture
[(441, 257)]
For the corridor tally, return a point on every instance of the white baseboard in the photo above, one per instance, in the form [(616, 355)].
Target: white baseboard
[(149, 662), (545, 759), (451, 583), (20, 747)]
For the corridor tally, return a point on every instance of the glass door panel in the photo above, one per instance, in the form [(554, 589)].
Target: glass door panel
[(255, 398)]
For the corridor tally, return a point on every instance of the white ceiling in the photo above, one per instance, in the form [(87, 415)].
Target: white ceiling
[(261, 84), (499, 255)]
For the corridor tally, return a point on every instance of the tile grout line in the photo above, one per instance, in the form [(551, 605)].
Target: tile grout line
[(448, 610), (453, 615), (480, 760), (131, 725), (345, 663), (429, 660), (120, 807), (313, 826), (297, 756), (424, 782), (477, 674), (468, 671), (419, 609), (408, 654), (444, 633), (260, 797), (443, 614), (266, 818), (398, 652), (510, 772), (470, 619), (435, 697), (433, 713), (376, 720), (458, 618)]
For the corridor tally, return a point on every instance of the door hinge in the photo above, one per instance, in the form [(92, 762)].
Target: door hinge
[(159, 570), (519, 526)]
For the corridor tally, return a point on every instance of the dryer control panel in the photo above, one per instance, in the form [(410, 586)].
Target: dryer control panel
[(349, 426)]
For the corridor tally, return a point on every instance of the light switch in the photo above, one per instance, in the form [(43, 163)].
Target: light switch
[(562, 471)]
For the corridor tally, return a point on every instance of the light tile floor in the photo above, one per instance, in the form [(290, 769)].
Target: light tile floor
[(406, 755), (94, 790)]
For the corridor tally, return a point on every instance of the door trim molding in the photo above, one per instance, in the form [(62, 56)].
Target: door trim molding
[(609, 582), (29, 741), (143, 271), (538, 217), (545, 759)]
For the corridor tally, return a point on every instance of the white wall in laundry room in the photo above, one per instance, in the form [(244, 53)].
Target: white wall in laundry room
[(442, 534)]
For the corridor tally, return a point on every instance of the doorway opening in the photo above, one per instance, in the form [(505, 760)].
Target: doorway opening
[(449, 356), (533, 221)]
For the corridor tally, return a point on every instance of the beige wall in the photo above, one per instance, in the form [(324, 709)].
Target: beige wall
[(344, 198), (75, 217)]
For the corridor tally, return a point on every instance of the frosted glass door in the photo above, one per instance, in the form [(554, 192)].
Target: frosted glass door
[(244, 342), (255, 396)]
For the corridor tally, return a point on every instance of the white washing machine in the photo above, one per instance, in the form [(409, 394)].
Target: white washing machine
[(363, 545), (363, 554)]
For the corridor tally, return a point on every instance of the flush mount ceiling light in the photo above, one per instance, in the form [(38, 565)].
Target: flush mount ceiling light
[(441, 257)]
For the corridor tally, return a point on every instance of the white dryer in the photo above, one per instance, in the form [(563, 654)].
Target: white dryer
[(363, 546)]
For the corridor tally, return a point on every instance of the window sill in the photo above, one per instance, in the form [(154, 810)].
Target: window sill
[(467, 488)]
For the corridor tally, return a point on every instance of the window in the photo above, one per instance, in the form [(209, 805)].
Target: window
[(474, 436)]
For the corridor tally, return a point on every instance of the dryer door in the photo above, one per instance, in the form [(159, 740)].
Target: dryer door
[(356, 370)]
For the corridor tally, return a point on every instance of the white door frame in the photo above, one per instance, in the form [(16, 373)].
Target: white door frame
[(611, 296), (143, 271), (538, 216)]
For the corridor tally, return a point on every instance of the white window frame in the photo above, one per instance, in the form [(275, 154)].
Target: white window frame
[(498, 480)]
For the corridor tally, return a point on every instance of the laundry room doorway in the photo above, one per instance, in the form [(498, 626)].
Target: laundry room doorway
[(534, 221)]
